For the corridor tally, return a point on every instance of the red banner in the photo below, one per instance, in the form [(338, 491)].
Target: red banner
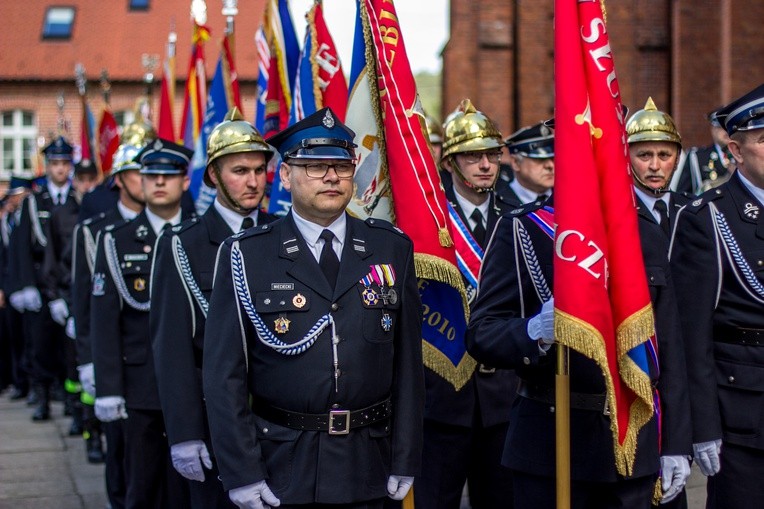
[(108, 140), (330, 79), (602, 304)]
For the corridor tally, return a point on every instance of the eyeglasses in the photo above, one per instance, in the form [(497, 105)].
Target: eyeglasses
[(319, 170), (476, 157)]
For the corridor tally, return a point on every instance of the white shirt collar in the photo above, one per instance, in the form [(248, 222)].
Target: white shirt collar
[(54, 190), (757, 192), (649, 202), (233, 219), (468, 208), (524, 194), (157, 223), (125, 212), (311, 231)]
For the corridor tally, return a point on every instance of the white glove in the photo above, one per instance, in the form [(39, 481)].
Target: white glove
[(71, 331), (59, 311), (541, 326), (706, 455), (186, 458), (110, 408), (32, 299), (674, 473), (17, 301), (398, 486), (254, 496), (87, 378)]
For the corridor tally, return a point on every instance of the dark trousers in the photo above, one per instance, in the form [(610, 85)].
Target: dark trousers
[(455, 454), (48, 341), (21, 368), (152, 482), (116, 484), (6, 353), (739, 484), (210, 493), (538, 492)]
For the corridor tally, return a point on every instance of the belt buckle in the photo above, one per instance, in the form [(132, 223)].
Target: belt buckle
[(486, 370), (343, 429), (606, 407)]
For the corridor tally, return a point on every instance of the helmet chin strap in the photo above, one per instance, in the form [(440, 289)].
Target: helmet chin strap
[(655, 192), (230, 199), (458, 172)]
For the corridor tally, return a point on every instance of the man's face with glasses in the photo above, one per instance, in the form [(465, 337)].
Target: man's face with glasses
[(479, 168), (321, 188)]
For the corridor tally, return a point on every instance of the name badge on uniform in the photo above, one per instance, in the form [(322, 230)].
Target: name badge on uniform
[(99, 281), (139, 257), (43, 214)]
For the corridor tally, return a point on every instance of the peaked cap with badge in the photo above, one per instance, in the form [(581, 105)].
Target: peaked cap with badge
[(59, 149), (745, 113), (536, 141), (85, 167), (163, 157), (18, 185), (318, 136)]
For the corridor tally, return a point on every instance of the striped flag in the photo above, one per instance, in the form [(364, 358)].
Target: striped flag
[(166, 124), (263, 67), (196, 89), (418, 198), (108, 139)]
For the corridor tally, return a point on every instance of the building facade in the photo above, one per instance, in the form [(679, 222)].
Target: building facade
[(691, 56)]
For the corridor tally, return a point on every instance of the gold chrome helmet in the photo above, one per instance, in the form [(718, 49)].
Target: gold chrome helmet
[(467, 129), (650, 124), (434, 130), (233, 135), (136, 135)]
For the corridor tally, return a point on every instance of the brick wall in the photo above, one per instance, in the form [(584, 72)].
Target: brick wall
[(691, 56)]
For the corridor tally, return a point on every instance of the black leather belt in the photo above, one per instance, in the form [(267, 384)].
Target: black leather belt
[(578, 400), (739, 336), (335, 422)]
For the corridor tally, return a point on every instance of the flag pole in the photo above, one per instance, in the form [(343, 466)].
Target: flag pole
[(562, 425)]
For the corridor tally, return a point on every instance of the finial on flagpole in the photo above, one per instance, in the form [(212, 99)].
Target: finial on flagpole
[(199, 12), (230, 10), (79, 79), (105, 86)]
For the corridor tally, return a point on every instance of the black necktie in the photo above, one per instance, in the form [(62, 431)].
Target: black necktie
[(166, 226), (59, 198), (479, 230), (328, 261), (660, 206), (542, 198), (247, 222)]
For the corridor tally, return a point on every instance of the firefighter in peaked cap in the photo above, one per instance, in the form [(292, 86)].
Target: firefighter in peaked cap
[(716, 261), (126, 182), (237, 158), (47, 339), (124, 368), (312, 354), (531, 156), (465, 428)]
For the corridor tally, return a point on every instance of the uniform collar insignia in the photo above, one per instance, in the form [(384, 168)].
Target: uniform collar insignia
[(142, 232), (751, 211)]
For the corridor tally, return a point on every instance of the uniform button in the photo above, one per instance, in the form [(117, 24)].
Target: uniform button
[(124, 358), (718, 192), (551, 409), (526, 361), (731, 379), (265, 430), (652, 279), (760, 263), (282, 303), (335, 306)]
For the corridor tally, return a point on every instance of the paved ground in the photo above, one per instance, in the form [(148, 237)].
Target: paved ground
[(41, 467)]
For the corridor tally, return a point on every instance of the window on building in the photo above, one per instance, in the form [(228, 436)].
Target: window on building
[(18, 142), (139, 5), (58, 23)]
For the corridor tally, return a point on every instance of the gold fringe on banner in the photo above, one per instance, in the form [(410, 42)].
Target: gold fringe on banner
[(587, 340), (455, 375), (633, 331)]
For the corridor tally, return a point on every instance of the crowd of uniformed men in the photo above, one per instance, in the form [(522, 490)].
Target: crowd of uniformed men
[(233, 358)]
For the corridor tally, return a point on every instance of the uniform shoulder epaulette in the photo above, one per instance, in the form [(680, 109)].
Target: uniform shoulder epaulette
[(525, 209), (95, 219), (385, 225), (185, 225), (252, 232), (704, 199), (116, 226)]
